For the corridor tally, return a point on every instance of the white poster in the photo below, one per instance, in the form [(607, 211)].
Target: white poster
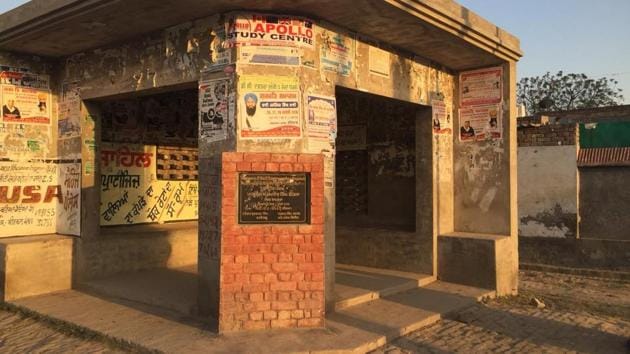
[(213, 109), (69, 212), (379, 61), (269, 107), (480, 122), (442, 118), (480, 87), (321, 122)]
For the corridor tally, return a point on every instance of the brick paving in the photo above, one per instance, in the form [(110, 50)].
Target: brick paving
[(582, 315), (25, 335)]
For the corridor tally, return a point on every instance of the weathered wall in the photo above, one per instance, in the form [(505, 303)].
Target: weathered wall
[(482, 174), (547, 191), (604, 203)]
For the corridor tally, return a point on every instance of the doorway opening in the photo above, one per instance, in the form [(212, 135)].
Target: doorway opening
[(384, 192), (148, 187)]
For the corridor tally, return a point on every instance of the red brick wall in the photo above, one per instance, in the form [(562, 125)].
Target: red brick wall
[(547, 135), (271, 275)]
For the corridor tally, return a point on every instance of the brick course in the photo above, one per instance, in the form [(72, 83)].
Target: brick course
[(547, 135), (272, 276)]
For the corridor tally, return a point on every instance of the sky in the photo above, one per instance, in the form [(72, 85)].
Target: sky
[(578, 36)]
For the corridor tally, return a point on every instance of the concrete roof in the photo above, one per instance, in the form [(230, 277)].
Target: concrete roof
[(440, 30)]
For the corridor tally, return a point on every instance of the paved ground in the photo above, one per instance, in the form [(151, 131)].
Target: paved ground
[(581, 315), (27, 335)]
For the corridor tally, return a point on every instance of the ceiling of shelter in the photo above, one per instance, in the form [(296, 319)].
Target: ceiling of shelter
[(58, 28)]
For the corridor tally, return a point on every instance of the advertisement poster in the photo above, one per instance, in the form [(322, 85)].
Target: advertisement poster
[(213, 109), (131, 194), (480, 87), (285, 56), (269, 107), (321, 122), (442, 118), (69, 211), (269, 30), (352, 137), (24, 79), (34, 195), (379, 61), (24, 141), (25, 104), (480, 122), (337, 53), (69, 123)]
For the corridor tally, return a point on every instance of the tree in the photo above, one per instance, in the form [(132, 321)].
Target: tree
[(562, 92)]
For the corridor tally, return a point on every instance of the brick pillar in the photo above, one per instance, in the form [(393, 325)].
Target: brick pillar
[(271, 275)]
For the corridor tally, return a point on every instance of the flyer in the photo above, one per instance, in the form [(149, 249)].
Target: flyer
[(269, 107), (480, 122), (337, 53), (482, 86), (442, 118), (321, 122), (213, 109), (25, 104)]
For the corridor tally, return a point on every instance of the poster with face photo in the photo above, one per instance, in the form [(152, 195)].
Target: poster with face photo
[(269, 107), (480, 122), (213, 110), (25, 104)]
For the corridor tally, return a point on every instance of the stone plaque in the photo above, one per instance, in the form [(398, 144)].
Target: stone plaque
[(274, 198)]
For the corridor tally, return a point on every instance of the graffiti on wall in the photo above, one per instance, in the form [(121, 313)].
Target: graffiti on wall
[(131, 193), (39, 198)]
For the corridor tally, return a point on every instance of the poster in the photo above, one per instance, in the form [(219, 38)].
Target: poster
[(25, 104), (213, 109), (321, 122), (269, 107), (480, 87), (442, 118), (269, 30), (352, 137), (337, 53), (24, 79), (379, 61), (24, 141), (69, 211), (480, 122), (131, 193), (69, 122), (34, 195), (285, 56)]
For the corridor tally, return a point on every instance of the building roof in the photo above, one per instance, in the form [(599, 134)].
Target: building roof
[(595, 157), (439, 30), (619, 113)]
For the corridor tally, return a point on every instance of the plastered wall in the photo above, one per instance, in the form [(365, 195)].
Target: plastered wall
[(548, 191)]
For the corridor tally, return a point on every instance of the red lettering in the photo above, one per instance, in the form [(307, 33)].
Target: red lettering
[(270, 27), (31, 195), (15, 196), (53, 191), (259, 28), (282, 29)]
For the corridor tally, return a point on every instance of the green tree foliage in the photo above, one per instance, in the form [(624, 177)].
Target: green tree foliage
[(563, 92)]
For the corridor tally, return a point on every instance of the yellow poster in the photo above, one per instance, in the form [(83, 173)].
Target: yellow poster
[(132, 194)]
